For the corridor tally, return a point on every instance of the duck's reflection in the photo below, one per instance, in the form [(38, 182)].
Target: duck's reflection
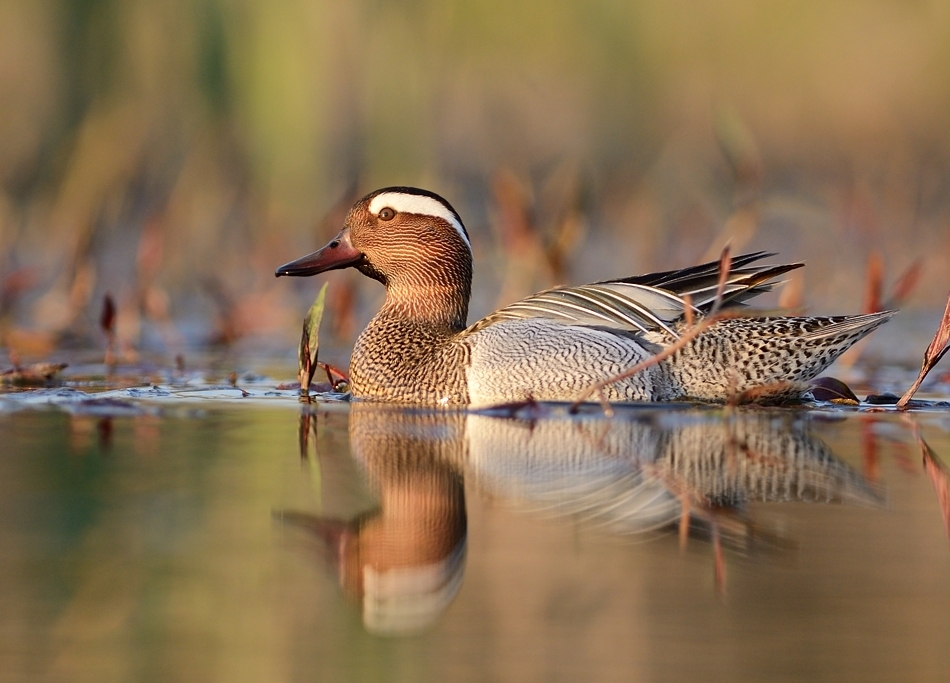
[(643, 471), (637, 472)]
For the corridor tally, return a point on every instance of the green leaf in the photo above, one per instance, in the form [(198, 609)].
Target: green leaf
[(314, 316), (310, 341)]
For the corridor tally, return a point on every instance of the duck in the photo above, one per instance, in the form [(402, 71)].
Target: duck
[(559, 343)]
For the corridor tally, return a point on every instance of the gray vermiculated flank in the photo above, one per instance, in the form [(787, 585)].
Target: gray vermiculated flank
[(514, 360)]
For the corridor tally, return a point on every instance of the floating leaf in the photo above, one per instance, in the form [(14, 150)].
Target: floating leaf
[(339, 381), (232, 380), (833, 390), (938, 347)]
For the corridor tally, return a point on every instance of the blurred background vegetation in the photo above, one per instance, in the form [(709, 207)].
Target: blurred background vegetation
[(174, 152)]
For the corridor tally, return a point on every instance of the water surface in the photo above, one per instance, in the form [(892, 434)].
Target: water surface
[(213, 539)]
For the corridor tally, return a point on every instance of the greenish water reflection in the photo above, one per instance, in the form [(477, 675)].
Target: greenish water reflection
[(662, 545)]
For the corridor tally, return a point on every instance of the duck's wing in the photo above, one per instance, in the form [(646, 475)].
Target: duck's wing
[(701, 282), (644, 303)]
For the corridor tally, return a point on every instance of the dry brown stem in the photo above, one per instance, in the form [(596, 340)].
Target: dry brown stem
[(905, 284), (107, 323), (688, 310), (874, 301), (725, 262), (938, 347), (873, 283)]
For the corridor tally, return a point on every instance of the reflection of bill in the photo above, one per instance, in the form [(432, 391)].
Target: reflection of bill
[(643, 471)]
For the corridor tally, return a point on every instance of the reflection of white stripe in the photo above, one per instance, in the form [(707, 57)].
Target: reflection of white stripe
[(418, 204), (407, 599)]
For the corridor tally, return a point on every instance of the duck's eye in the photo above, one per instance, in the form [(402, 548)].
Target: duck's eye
[(386, 214)]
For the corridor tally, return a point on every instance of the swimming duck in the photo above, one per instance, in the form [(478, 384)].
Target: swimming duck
[(556, 344)]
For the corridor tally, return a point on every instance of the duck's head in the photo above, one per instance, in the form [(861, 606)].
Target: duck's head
[(412, 241), (396, 235)]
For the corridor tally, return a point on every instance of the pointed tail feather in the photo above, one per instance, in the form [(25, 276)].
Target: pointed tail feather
[(856, 326)]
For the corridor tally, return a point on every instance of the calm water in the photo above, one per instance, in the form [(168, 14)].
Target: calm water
[(215, 539)]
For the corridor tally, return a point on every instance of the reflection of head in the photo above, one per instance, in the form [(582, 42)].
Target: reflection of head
[(404, 561), (405, 600)]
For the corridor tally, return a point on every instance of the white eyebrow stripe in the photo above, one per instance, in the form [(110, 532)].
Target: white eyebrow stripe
[(418, 204)]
